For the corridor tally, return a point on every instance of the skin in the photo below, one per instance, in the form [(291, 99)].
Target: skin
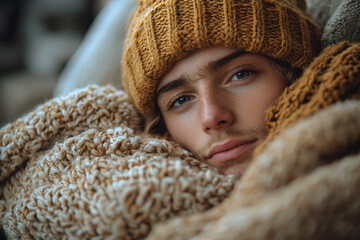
[(213, 103)]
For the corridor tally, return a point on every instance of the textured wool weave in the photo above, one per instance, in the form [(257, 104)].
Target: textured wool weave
[(304, 185), (165, 31), (75, 168)]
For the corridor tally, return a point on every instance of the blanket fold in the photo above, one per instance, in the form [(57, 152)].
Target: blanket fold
[(62, 117), (291, 191)]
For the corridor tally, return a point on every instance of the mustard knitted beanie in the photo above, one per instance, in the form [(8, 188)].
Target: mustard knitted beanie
[(162, 32)]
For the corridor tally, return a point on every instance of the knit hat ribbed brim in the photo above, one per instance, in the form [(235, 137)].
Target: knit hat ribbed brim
[(164, 31)]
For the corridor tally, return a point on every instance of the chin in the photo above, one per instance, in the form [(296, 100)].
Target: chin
[(238, 170)]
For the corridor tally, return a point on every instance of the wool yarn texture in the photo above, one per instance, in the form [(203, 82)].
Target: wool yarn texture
[(331, 77), (162, 32), (297, 188), (79, 167)]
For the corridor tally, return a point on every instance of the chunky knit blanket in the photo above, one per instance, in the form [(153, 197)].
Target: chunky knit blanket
[(78, 167)]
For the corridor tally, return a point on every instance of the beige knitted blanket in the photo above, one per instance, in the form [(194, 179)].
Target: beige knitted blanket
[(304, 185), (77, 167)]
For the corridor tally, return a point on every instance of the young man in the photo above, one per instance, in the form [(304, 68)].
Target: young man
[(206, 71), (213, 103), (77, 166)]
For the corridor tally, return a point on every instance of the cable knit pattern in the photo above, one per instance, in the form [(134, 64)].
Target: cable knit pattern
[(76, 168)]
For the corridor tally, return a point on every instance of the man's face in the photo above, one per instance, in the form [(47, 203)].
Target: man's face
[(213, 103)]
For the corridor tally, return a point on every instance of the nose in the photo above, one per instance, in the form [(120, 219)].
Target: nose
[(215, 112)]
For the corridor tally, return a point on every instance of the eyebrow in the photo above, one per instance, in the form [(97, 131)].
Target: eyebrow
[(210, 67), (215, 65), (181, 81)]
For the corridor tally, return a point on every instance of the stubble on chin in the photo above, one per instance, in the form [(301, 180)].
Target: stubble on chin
[(236, 167)]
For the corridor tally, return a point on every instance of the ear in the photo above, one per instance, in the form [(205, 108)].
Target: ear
[(344, 24)]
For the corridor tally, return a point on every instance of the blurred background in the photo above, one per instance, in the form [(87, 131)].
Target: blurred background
[(37, 40)]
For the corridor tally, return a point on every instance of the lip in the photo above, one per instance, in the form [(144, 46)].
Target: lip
[(230, 149)]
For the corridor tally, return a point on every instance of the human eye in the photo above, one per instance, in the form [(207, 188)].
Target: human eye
[(241, 74), (179, 102)]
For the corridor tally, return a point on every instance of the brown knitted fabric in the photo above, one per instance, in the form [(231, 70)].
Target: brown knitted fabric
[(164, 31), (333, 76)]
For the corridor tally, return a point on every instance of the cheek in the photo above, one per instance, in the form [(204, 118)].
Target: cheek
[(270, 92), (260, 98), (183, 130)]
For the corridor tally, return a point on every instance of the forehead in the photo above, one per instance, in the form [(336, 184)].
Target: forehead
[(194, 62)]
